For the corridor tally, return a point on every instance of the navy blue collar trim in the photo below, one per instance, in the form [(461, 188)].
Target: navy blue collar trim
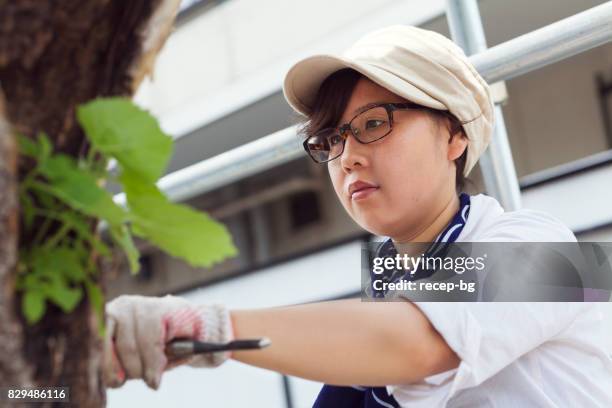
[(438, 248)]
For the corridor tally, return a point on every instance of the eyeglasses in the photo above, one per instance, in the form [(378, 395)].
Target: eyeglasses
[(366, 127)]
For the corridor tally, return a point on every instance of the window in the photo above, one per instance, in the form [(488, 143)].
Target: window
[(304, 209)]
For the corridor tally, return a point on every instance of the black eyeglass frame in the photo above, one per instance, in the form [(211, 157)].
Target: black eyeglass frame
[(344, 129)]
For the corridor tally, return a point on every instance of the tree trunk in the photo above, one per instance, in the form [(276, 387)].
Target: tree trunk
[(55, 55)]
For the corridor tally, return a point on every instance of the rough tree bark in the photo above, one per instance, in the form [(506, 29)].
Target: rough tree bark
[(55, 55)]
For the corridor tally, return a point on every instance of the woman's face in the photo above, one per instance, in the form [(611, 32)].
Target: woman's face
[(411, 169)]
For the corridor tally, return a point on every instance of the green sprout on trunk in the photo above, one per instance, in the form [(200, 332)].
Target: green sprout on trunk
[(67, 195)]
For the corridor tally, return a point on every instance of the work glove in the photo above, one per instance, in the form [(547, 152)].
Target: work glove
[(139, 327)]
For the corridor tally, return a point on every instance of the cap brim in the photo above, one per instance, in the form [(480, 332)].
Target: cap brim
[(304, 79)]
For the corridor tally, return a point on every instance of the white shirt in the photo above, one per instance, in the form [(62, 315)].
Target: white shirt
[(516, 354)]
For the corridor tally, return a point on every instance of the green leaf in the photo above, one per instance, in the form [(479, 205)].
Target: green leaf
[(59, 265), (27, 209), (89, 265), (79, 190), (55, 268), (81, 226), (29, 281), (33, 306), (45, 146), (175, 228), (96, 297), (65, 297), (46, 199), (121, 235), (119, 128), (27, 147), (39, 149)]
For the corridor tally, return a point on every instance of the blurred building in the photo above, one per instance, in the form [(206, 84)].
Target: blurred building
[(217, 86)]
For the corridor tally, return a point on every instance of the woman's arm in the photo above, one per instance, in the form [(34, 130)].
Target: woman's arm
[(346, 342)]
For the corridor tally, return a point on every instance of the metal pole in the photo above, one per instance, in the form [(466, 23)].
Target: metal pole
[(547, 45), (225, 168), (520, 55), (496, 163)]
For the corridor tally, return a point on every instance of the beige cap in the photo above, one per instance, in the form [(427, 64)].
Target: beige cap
[(419, 65)]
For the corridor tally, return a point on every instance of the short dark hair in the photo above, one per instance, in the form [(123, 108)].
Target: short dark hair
[(334, 95)]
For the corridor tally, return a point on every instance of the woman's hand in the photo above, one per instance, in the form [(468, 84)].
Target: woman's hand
[(139, 327)]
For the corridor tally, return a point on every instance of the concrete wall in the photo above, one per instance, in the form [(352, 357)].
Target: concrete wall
[(240, 38)]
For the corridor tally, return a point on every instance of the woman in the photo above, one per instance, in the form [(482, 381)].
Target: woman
[(400, 119)]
